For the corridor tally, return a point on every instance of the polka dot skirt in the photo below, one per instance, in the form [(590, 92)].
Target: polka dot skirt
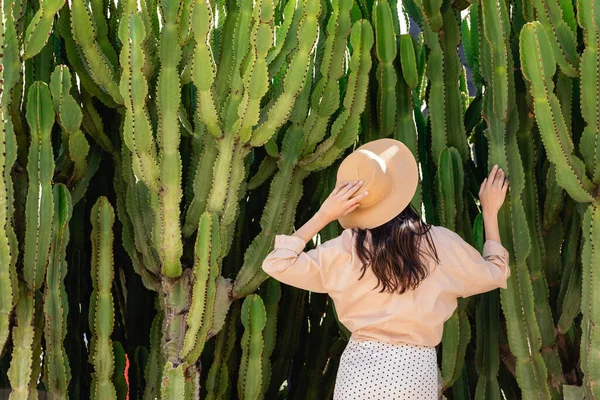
[(372, 370)]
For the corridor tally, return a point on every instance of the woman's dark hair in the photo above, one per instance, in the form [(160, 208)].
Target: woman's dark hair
[(396, 251)]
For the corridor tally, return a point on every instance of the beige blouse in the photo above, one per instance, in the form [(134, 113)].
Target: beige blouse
[(415, 317)]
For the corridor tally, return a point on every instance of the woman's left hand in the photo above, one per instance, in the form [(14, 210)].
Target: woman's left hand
[(340, 202)]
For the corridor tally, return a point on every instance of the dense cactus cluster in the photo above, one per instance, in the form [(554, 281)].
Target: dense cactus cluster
[(150, 151)]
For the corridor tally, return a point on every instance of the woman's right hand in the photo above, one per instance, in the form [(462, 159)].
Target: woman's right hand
[(342, 201), (493, 191)]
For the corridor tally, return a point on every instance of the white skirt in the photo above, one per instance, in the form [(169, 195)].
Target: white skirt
[(372, 370)]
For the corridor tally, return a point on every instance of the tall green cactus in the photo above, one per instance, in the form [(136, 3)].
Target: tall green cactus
[(101, 302), (40, 168), (254, 318), (7, 157), (457, 331), (21, 365), (56, 307), (502, 116)]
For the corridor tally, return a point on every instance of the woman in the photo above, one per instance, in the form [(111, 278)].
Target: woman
[(394, 279)]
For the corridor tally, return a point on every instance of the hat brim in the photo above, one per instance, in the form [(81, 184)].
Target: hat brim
[(404, 178)]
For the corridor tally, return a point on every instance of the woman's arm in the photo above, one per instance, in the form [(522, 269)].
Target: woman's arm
[(339, 203), (492, 194)]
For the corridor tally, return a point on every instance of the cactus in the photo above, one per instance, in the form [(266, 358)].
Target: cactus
[(254, 318), (56, 306), (7, 158), (69, 117), (19, 373), (457, 331), (40, 26), (40, 166), (589, 307), (102, 304)]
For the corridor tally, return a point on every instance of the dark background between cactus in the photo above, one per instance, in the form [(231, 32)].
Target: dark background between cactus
[(151, 150)]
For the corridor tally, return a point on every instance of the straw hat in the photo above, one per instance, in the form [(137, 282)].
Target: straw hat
[(390, 174)]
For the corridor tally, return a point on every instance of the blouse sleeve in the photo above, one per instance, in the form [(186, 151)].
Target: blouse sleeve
[(310, 270), (476, 273)]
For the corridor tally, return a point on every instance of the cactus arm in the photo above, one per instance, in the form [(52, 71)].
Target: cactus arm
[(271, 217), (538, 69), (173, 384), (535, 261), (11, 69), (93, 125), (84, 35), (385, 49), (254, 318), (101, 304), (69, 117), (235, 191), (168, 94), (102, 31), (267, 167), (56, 305), (203, 68), (40, 167), (325, 98), (406, 129), (256, 76), (570, 297), (563, 38), (457, 332), (78, 151), (453, 68), (217, 380), (488, 352), (137, 131), (206, 270), (345, 127), (6, 256), (38, 30), (137, 206), (272, 296), (590, 303), (494, 33), (295, 76), (153, 368), (64, 29), (430, 11), (226, 53), (554, 199), (408, 60), (186, 21), (282, 31), (241, 48), (201, 190), (435, 101), (590, 82), (221, 174), (38, 330), (19, 373), (279, 63)]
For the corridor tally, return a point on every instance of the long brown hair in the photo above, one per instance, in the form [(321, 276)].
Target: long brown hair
[(396, 251)]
